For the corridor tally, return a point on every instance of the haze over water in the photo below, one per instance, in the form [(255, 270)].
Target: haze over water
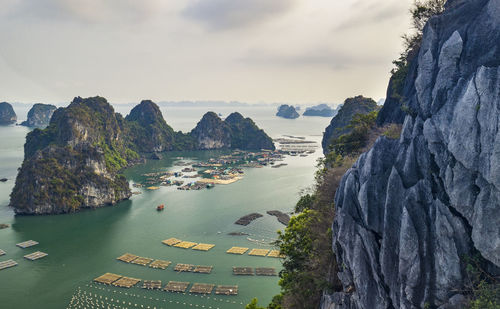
[(85, 245)]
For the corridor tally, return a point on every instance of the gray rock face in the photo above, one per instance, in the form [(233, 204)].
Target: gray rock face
[(7, 114), (39, 115), (287, 111), (408, 211)]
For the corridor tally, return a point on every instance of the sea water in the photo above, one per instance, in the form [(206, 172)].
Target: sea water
[(84, 245)]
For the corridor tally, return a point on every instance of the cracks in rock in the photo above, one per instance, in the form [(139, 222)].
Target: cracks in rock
[(478, 107)]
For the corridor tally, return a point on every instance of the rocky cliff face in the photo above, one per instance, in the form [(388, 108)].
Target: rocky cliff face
[(287, 111), (339, 123), (234, 132), (410, 210), (39, 115), (7, 114), (74, 162)]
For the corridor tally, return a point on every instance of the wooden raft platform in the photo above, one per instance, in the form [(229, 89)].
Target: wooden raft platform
[(151, 284), (203, 269), (243, 271), (160, 264), (127, 257), (27, 244), (184, 267), (126, 282), (171, 241), (35, 255), (202, 288), (176, 286), (203, 247), (259, 252), (226, 290), (237, 250), (7, 264), (107, 278), (143, 261), (265, 271), (185, 244), (276, 254), (2, 252)]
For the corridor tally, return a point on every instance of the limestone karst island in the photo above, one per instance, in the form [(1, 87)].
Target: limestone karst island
[(250, 154)]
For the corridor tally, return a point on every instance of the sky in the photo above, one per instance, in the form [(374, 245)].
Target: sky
[(254, 51)]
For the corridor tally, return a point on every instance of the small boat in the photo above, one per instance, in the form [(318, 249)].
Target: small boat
[(160, 207)]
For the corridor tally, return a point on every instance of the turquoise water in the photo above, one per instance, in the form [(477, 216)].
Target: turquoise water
[(85, 245)]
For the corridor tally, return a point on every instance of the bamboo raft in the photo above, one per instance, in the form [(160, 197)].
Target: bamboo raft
[(143, 261), (171, 241), (107, 278), (265, 271), (35, 255), (176, 286), (259, 252), (151, 284), (202, 288), (203, 247), (185, 244), (243, 271), (2, 252), (203, 269), (127, 257), (184, 267), (276, 254), (226, 290), (160, 264), (27, 244), (237, 250), (126, 282), (7, 264)]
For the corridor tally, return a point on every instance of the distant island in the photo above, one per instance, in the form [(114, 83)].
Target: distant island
[(39, 115), (7, 114), (287, 111), (76, 161), (321, 110)]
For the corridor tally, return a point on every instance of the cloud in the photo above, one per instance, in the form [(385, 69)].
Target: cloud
[(229, 14)]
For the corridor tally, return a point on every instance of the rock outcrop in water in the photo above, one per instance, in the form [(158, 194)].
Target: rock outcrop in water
[(39, 115), (7, 114), (339, 123), (234, 132), (287, 111), (75, 162), (321, 110), (411, 210)]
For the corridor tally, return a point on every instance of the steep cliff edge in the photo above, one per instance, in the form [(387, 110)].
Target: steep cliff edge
[(39, 115), (411, 210), (7, 114)]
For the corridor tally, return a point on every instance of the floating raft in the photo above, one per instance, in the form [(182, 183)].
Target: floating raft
[(259, 252), (7, 264), (143, 261), (35, 255), (127, 257), (265, 271), (107, 278), (185, 244), (243, 271), (203, 247), (276, 254), (126, 282), (237, 250), (2, 252), (160, 264), (27, 244), (202, 288), (184, 267), (226, 290), (153, 188), (203, 269), (151, 284), (171, 241), (176, 286)]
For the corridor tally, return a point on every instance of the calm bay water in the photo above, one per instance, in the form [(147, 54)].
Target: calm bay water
[(85, 245)]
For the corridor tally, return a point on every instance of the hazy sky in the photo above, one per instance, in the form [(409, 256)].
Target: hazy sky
[(296, 51)]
